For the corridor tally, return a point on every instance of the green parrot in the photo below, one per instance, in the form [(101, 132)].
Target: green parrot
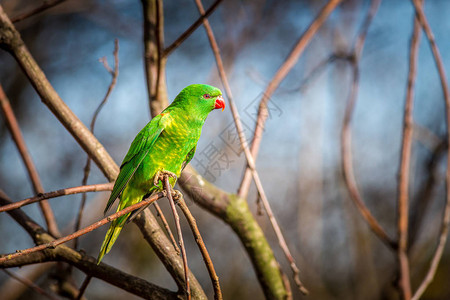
[(165, 145)]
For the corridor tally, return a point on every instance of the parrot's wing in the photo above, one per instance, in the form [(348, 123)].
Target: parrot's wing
[(136, 212), (188, 158), (140, 147)]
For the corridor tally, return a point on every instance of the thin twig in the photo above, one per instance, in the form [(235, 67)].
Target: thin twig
[(45, 5), (85, 230), (14, 290), (312, 74), (248, 155), (347, 165), (279, 76), (168, 189), (201, 245), (30, 284), (83, 287), (160, 214), (404, 282), (316, 71), (114, 74), (446, 215), (17, 136), (427, 189), (191, 29), (58, 193)]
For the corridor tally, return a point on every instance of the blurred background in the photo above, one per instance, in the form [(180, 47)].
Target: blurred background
[(299, 161)]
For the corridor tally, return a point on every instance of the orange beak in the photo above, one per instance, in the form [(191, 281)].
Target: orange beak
[(220, 103)]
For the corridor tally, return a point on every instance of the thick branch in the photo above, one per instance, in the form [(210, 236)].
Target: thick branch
[(85, 263), (155, 62), (83, 231), (88, 265), (113, 276)]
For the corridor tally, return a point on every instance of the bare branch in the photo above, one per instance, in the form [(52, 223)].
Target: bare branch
[(168, 189), (58, 193), (248, 155), (83, 287), (404, 282), (154, 60), (347, 165), (191, 29), (427, 188), (171, 259), (10, 290), (160, 214), (114, 74), (44, 6), (53, 244), (30, 284), (88, 265), (236, 213), (14, 128), (85, 263), (279, 76), (201, 245), (445, 89)]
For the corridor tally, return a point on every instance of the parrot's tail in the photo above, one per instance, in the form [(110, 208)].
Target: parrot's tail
[(111, 236)]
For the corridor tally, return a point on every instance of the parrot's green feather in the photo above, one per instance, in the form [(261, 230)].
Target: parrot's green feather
[(117, 224), (139, 148), (111, 236), (166, 143), (189, 157)]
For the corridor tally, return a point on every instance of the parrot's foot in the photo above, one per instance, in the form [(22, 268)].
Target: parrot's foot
[(159, 176), (176, 195)]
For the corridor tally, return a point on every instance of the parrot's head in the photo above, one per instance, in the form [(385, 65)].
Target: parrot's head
[(200, 99)]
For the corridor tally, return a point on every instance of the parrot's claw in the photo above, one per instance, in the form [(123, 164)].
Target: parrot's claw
[(176, 196), (159, 176)]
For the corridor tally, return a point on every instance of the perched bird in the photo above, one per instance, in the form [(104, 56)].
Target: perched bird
[(165, 145)]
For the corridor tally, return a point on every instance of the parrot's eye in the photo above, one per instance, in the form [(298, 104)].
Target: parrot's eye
[(206, 96)]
